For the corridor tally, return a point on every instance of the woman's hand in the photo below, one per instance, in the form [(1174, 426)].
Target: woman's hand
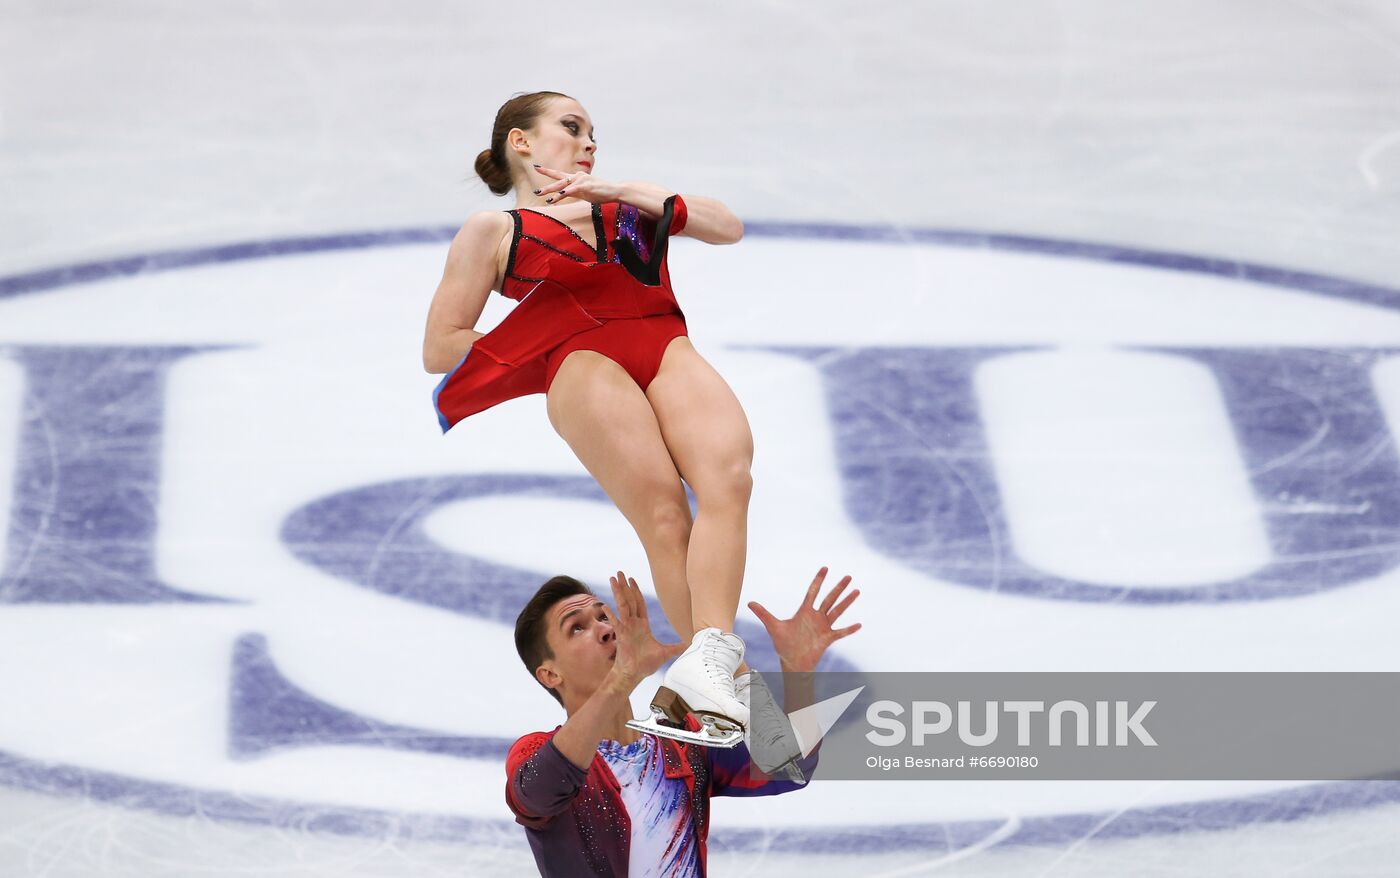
[(577, 185), (802, 640), (639, 653)]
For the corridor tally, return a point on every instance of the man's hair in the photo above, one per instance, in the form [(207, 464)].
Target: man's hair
[(530, 639)]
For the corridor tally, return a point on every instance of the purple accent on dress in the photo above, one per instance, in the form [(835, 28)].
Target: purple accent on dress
[(628, 226)]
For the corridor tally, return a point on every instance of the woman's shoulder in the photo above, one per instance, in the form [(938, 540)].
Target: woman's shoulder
[(486, 222), (483, 232)]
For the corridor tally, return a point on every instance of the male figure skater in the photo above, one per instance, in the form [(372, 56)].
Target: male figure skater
[(599, 798)]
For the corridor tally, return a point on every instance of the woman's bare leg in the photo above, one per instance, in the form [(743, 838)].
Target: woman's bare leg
[(709, 440), (608, 422)]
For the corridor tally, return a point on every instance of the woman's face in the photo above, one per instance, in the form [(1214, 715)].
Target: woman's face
[(563, 138)]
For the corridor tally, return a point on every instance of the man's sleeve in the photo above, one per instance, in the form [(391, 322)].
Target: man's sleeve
[(731, 775), (540, 780)]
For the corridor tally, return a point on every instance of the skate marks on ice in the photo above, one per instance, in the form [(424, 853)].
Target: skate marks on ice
[(285, 536)]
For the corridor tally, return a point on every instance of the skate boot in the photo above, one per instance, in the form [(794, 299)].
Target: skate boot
[(700, 682), (773, 744)]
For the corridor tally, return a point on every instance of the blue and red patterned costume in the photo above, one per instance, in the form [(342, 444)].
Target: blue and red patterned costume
[(578, 824)]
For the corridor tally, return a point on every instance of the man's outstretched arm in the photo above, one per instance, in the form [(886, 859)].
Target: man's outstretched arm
[(800, 643)]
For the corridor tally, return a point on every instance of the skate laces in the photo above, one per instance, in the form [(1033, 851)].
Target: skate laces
[(719, 649)]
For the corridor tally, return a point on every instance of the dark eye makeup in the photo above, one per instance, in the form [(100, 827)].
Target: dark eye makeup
[(573, 126)]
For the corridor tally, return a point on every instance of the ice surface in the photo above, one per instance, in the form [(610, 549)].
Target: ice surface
[(1067, 328)]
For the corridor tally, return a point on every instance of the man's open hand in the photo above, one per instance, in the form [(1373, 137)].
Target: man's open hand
[(639, 653), (802, 640)]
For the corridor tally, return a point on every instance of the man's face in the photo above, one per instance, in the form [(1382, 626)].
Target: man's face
[(581, 637)]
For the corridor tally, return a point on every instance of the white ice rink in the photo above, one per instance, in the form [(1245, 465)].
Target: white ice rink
[(1070, 329)]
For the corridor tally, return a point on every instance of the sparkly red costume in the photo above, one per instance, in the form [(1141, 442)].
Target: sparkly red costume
[(577, 822), (617, 300)]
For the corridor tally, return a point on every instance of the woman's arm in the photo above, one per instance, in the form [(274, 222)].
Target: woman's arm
[(462, 293), (706, 219)]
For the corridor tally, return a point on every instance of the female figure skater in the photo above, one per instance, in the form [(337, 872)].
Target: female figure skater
[(599, 332)]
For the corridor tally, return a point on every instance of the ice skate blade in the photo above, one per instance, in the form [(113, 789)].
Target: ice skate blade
[(725, 739), (668, 714)]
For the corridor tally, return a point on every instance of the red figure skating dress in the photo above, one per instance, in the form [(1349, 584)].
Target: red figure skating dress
[(615, 299)]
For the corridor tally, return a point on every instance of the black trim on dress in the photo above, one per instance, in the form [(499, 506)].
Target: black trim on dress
[(591, 248), (648, 272), (598, 234), (542, 242), (514, 243)]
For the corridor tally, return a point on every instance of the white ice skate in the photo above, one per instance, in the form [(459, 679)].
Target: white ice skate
[(773, 744), (700, 682)]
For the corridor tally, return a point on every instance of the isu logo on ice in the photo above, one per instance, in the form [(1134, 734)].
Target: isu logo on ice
[(244, 574)]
